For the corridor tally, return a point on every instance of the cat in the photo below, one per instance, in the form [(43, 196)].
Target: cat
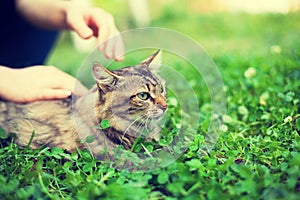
[(132, 99)]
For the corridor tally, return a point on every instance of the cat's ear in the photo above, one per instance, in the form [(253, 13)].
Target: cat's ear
[(103, 76), (154, 61)]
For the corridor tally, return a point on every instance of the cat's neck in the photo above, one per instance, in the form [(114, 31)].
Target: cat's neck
[(87, 117), (83, 111)]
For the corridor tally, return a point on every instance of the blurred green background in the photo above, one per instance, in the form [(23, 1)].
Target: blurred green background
[(211, 23)]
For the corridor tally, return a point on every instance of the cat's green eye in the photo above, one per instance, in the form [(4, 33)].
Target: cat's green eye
[(143, 95)]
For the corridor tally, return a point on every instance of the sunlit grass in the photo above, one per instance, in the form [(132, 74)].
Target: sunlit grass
[(257, 156)]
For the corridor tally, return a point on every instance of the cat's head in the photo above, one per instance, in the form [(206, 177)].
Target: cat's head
[(135, 95)]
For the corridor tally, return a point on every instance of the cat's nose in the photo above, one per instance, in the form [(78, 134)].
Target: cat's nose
[(162, 104)]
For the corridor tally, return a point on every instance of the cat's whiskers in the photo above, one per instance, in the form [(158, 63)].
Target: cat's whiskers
[(139, 128), (145, 128), (148, 120), (131, 124)]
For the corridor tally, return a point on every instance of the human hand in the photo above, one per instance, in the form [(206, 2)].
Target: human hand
[(92, 21), (87, 21), (37, 83)]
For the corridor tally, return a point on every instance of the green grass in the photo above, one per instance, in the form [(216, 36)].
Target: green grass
[(257, 157)]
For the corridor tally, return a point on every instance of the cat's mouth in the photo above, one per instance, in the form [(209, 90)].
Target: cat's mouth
[(156, 114)]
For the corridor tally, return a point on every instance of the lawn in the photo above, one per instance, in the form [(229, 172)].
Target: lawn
[(257, 156)]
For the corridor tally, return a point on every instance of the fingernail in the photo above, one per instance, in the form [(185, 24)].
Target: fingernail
[(108, 56), (120, 58), (88, 34), (67, 93)]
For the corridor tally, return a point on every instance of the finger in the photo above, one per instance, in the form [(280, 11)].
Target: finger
[(76, 22), (102, 32), (111, 41), (67, 82), (109, 48), (104, 23), (102, 38), (80, 89), (73, 85), (48, 94), (101, 44), (119, 48)]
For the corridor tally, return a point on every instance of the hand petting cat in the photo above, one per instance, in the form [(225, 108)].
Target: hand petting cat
[(37, 83), (42, 82)]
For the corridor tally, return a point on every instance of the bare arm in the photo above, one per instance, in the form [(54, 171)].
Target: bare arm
[(86, 21), (44, 13)]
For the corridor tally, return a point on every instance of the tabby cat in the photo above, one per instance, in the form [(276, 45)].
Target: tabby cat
[(132, 99)]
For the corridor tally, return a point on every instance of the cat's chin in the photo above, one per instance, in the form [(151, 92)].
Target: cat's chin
[(156, 115)]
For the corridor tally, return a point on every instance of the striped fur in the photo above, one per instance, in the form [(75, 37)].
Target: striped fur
[(133, 99)]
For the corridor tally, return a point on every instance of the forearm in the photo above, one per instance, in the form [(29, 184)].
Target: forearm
[(50, 14), (5, 80)]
